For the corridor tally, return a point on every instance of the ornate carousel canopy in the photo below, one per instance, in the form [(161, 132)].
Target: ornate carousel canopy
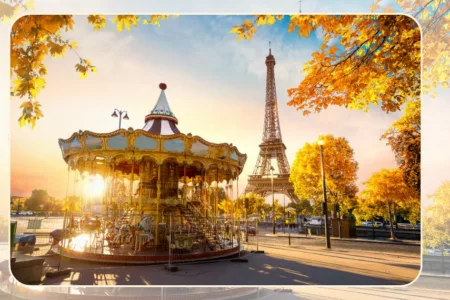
[(125, 151), (161, 119)]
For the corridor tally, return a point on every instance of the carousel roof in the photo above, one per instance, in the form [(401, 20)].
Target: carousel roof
[(161, 120), (159, 140)]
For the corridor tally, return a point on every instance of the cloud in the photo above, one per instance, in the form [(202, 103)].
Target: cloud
[(216, 88)]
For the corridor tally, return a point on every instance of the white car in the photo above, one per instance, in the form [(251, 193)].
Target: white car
[(378, 224), (316, 221), (434, 252), (367, 224)]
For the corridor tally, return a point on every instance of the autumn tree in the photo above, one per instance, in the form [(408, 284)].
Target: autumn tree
[(404, 137), (436, 227), (36, 37), (226, 206), (433, 17), (17, 204), (303, 207), (256, 205), (363, 61), (340, 173), (386, 193)]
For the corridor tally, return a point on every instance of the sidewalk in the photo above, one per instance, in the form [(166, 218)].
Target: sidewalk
[(427, 274), (302, 235)]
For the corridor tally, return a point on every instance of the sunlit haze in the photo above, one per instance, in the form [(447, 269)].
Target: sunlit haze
[(216, 89)]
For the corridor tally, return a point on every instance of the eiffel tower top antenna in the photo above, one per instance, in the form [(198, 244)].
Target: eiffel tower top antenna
[(300, 6), (270, 48)]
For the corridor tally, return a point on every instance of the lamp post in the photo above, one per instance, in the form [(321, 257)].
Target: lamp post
[(125, 117), (273, 200), (324, 187), (284, 214)]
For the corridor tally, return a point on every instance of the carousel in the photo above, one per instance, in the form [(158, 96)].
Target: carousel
[(159, 191)]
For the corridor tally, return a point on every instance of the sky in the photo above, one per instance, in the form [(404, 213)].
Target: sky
[(216, 88)]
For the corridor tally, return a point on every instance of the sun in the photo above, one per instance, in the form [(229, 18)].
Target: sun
[(95, 186)]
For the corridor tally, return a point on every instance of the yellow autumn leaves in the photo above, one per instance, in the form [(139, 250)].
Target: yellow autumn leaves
[(35, 37), (358, 63), (385, 192)]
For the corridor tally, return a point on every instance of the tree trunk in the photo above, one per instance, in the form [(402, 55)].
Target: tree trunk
[(390, 221)]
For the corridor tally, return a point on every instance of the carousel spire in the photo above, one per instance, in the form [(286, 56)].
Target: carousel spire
[(161, 120)]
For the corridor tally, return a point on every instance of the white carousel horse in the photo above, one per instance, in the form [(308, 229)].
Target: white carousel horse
[(146, 236), (146, 223)]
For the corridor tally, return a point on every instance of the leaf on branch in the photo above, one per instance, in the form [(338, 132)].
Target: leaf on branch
[(126, 21), (333, 50), (98, 21)]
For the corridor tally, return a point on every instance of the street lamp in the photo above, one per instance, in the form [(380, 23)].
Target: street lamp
[(324, 187), (114, 115), (273, 200)]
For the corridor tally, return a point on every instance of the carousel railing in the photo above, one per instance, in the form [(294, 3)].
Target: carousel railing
[(137, 234)]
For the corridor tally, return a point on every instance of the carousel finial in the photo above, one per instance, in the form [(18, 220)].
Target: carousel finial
[(163, 86)]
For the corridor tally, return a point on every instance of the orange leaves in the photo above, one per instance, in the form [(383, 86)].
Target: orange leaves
[(98, 21), (84, 67), (433, 17), (31, 111), (404, 137), (333, 50), (357, 50), (33, 38), (247, 29), (244, 31)]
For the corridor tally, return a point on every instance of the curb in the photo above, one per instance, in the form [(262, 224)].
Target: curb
[(434, 275), (348, 240)]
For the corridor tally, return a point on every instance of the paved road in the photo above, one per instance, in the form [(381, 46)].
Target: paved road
[(280, 265)]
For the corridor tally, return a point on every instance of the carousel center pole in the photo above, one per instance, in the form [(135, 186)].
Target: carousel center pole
[(158, 198)]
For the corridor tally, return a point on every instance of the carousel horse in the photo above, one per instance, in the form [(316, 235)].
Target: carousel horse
[(146, 223), (146, 236), (124, 235)]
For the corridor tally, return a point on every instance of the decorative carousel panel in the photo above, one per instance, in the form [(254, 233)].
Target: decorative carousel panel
[(175, 145), (218, 152), (117, 142), (199, 149), (93, 143), (145, 143), (75, 144), (234, 156), (64, 147), (242, 160)]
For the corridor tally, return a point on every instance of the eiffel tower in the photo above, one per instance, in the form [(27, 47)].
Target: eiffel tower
[(272, 147)]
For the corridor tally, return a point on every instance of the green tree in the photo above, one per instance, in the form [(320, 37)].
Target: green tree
[(256, 205), (38, 198), (303, 207)]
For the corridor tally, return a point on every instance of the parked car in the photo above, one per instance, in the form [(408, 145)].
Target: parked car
[(370, 223), (378, 224), (251, 229), (315, 221)]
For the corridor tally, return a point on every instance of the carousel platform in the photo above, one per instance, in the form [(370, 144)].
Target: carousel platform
[(80, 248)]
